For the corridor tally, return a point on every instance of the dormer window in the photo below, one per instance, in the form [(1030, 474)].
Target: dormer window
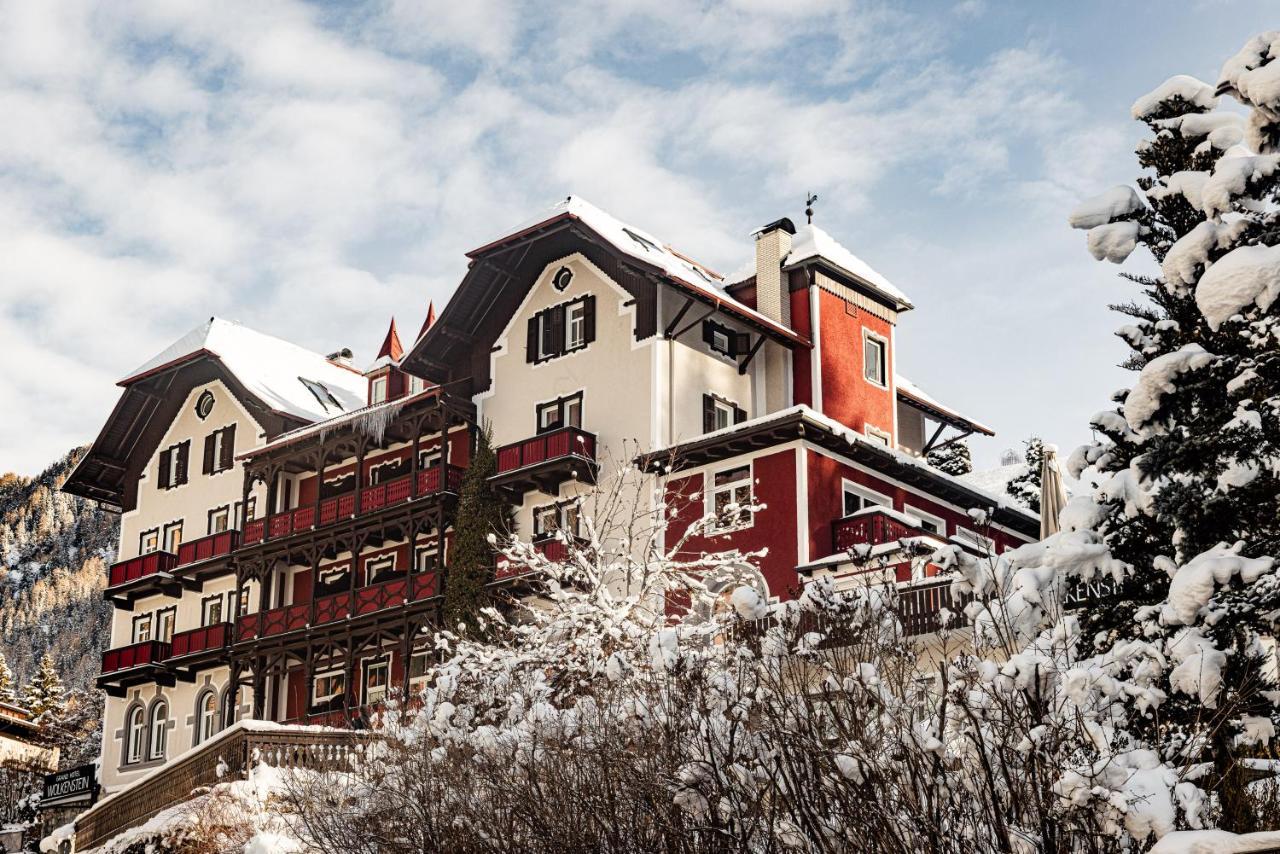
[(378, 389)]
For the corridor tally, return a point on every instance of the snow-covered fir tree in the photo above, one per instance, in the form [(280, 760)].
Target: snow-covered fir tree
[(952, 458), (1025, 487), (1194, 449), (43, 694)]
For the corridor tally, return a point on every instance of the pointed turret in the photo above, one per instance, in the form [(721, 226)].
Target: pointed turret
[(391, 347), (431, 319)]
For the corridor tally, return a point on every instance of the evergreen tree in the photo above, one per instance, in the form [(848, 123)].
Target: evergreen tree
[(44, 694), (1192, 451), (482, 514), (1025, 488), (7, 694), (953, 458)]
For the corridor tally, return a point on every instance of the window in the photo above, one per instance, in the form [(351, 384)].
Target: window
[(730, 496), (378, 390), (556, 517), (718, 413), (243, 603), (136, 736), (219, 519), (561, 412), (377, 675), (860, 498), (576, 331), (164, 624), (204, 405), (378, 568), (877, 435), (206, 716), (220, 450), (723, 340), (561, 329), (142, 628), (172, 537), (159, 730), (328, 686), (560, 281), (321, 393), (173, 463), (873, 358), (928, 521), (417, 385), (247, 512), (211, 610), (418, 664), (428, 459), (427, 558), (334, 579), (388, 470), (148, 541)]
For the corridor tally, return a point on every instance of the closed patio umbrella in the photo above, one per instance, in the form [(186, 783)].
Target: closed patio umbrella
[(1053, 495)]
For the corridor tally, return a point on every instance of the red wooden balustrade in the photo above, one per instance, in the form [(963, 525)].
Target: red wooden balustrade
[(565, 442), (124, 657), (339, 507), (214, 545), (871, 529), (141, 566), (338, 606), (215, 636)]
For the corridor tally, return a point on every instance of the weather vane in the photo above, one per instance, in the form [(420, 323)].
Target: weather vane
[(808, 207)]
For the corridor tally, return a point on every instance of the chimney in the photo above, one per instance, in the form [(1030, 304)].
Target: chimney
[(341, 357), (773, 242)]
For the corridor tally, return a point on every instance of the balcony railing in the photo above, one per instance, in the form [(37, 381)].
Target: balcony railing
[(920, 607), (874, 527), (337, 606), (205, 548), (203, 639), (134, 655), (141, 566), (558, 444), (372, 498)]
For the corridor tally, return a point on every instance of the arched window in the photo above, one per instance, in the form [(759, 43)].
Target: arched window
[(135, 735), (206, 716), (159, 729)]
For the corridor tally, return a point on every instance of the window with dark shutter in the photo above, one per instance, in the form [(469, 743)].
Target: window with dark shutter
[(228, 449), (210, 442), (721, 339), (708, 413), (166, 467), (739, 415), (590, 319), (718, 413), (531, 340)]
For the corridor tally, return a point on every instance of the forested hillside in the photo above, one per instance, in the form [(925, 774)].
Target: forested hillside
[(55, 548)]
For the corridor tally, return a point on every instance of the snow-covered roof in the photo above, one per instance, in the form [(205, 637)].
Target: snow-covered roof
[(812, 242), (643, 246), (912, 392), (853, 437), (372, 419), (287, 378)]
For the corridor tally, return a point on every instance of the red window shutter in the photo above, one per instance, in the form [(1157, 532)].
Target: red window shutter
[(589, 319), (228, 448), (208, 453), (163, 476)]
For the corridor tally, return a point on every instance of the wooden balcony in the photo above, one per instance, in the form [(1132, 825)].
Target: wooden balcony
[(224, 758), (546, 461), (196, 648), (133, 665), (128, 580), (327, 610), (207, 548), (920, 607), (430, 482), (551, 548), (873, 527)]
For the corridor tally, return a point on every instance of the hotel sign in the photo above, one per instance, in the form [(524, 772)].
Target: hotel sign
[(70, 787)]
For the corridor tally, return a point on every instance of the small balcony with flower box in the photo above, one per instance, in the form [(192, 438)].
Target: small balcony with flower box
[(546, 461), (135, 664)]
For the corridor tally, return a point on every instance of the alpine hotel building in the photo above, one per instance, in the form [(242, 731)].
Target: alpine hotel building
[(285, 516)]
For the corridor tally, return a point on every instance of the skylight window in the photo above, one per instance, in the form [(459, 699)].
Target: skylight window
[(323, 396), (644, 242)]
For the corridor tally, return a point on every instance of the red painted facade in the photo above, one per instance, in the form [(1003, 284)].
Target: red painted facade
[(847, 395)]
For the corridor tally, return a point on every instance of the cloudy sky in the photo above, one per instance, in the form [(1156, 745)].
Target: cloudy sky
[(311, 170)]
